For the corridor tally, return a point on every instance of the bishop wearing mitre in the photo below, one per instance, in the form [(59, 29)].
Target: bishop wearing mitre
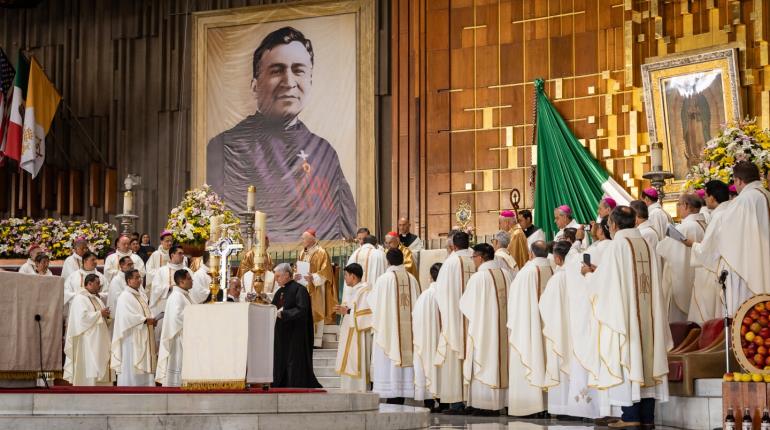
[(370, 258), (319, 282), (355, 347), (133, 338), (634, 335), (87, 341), (526, 371), (450, 285), (169, 369), (164, 283), (741, 246), (392, 301), (678, 274), (112, 262), (485, 304), (427, 330), (76, 281), (556, 308), (392, 241)]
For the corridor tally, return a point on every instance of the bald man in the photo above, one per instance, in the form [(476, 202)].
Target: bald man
[(112, 262), (319, 281), (410, 240)]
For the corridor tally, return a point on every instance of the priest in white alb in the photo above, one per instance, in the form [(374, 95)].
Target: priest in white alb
[(168, 371), (75, 260), (717, 198), (355, 344), (741, 245), (526, 371), (201, 281), (164, 283), (118, 283), (158, 259), (392, 300), (427, 330), (643, 223), (29, 266), (370, 258), (112, 262), (76, 281), (450, 285), (557, 304), (678, 274), (500, 243), (133, 338), (87, 341), (634, 335), (485, 304), (659, 218)]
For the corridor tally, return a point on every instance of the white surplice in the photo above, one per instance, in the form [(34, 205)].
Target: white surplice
[(392, 356), (648, 233), (678, 275), (706, 212), (112, 264), (117, 286), (169, 369), (526, 369), (741, 245), (450, 285), (158, 259), (703, 256), (625, 337), (659, 219), (485, 304), (28, 268), (427, 323), (87, 342), (506, 262), (75, 283), (133, 343), (71, 264), (201, 285), (162, 287), (353, 362), (371, 260)]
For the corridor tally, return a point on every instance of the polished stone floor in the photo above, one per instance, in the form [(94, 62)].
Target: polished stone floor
[(447, 422)]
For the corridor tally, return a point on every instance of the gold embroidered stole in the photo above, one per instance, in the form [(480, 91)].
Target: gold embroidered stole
[(365, 264), (404, 306), (98, 306), (150, 330), (501, 294), (643, 290), (544, 274), (467, 268)]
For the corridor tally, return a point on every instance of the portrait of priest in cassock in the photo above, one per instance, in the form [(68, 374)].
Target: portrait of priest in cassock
[(297, 173)]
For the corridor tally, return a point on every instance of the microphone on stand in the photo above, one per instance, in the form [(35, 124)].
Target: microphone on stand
[(722, 279)]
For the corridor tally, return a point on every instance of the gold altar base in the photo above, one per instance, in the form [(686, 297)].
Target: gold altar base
[(236, 384)]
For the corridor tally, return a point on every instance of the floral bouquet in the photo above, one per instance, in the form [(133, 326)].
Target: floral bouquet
[(189, 222), (54, 236), (742, 141)]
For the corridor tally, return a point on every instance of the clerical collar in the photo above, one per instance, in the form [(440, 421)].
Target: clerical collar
[(176, 266), (407, 239), (124, 254), (530, 230)]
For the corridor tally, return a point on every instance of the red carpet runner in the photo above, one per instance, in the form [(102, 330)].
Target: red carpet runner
[(152, 390)]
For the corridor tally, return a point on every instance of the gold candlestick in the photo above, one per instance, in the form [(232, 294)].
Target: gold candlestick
[(214, 269)]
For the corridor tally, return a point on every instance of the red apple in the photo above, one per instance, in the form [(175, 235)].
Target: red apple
[(762, 350), (759, 340), (764, 312), (747, 320), (755, 327), (754, 314), (767, 342), (759, 307), (759, 358), (744, 330), (767, 361), (765, 332)]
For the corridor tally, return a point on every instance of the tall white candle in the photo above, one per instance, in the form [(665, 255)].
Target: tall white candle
[(260, 226), (656, 156), (214, 224), (251, 198), (128, 202)]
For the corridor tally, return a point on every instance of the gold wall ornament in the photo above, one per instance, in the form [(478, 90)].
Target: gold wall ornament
[(464, 214)]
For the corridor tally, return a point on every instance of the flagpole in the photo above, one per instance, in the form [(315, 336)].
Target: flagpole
[(88, 136)]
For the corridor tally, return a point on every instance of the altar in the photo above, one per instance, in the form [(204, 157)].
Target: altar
[(228, 345)]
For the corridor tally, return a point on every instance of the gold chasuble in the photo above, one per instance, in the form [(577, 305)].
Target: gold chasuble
[(644, 314), (248, 262), (518, 247), (408, 261), (321, 264), (501, 287)]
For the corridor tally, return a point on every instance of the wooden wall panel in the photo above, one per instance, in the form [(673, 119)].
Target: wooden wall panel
[(499, 46)]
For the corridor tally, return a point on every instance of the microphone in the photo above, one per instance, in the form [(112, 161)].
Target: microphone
[(38, 317), (723, 277)]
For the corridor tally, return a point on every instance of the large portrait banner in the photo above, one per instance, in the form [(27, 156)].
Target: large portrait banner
[(283, 99)]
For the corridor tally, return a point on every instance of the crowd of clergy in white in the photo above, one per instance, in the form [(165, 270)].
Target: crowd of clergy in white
[(580, 329)]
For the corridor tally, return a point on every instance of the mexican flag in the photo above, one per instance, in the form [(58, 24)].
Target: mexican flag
[(42, 102), (567, 173), (12, 147)]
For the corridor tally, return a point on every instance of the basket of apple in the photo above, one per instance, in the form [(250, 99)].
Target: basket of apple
[(751, 339)]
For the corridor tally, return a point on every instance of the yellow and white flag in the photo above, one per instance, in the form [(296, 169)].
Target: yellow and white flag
[(42, 102)]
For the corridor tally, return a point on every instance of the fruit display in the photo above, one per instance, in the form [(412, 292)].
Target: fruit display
[(751, 338)]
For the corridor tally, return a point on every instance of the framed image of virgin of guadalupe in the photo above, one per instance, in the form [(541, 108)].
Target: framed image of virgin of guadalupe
[(283, 99), (689, 98)]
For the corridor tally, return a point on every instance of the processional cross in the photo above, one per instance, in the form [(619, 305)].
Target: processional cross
[(223, 248)]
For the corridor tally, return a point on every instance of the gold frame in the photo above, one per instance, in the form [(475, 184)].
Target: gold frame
[(365, 145), (653, 73)]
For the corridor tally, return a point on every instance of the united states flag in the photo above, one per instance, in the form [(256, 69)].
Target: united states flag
[(6, 81)]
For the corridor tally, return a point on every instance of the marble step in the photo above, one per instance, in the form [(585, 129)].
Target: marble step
[(324, 362), (328, 381), (330, 337), (331, 329), (329, 354), (330, 345), (324, 372)]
